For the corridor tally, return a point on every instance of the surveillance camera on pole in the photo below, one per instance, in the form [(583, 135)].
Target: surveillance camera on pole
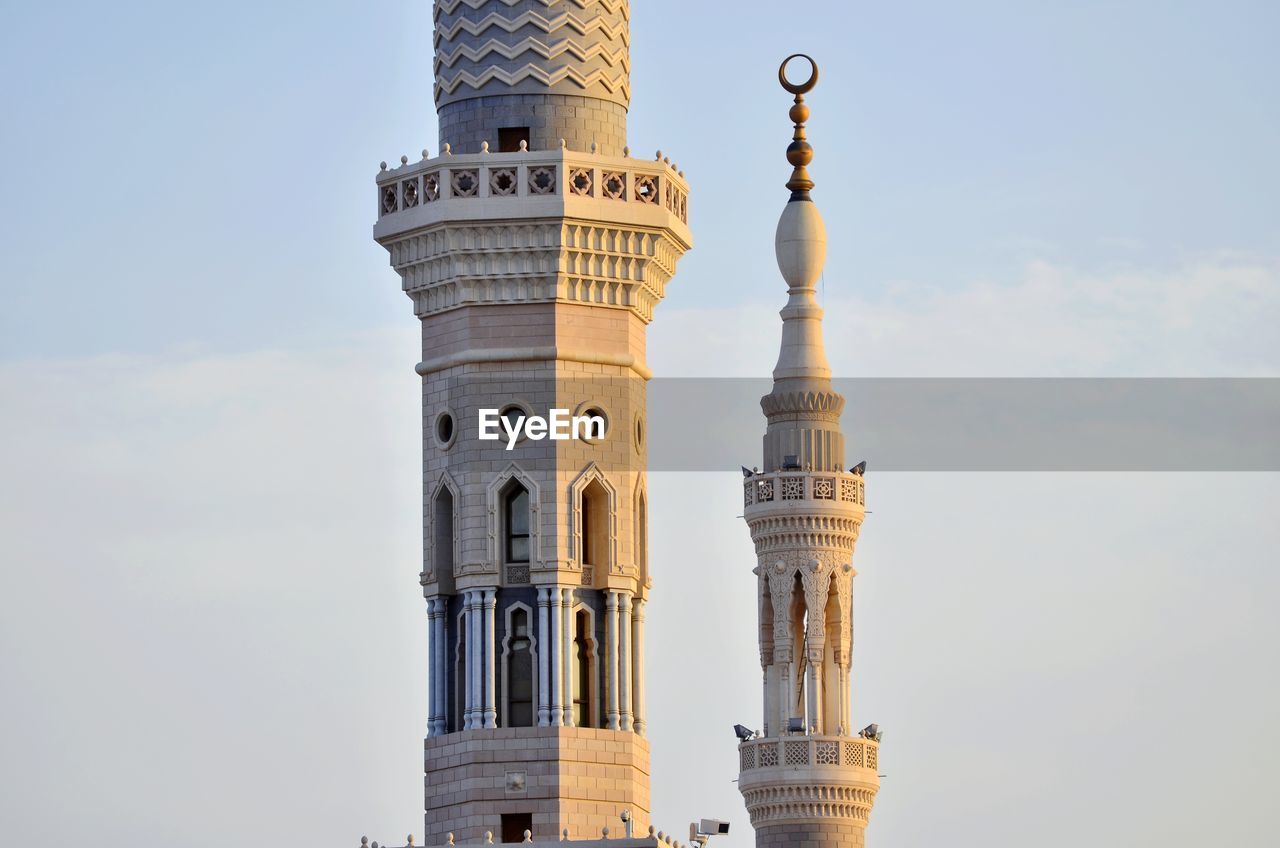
[(700, 832), (626, 821)]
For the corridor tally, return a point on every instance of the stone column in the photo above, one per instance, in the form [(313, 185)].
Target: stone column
[(490, 669), (768, 716), (556, 709), (566, 643), (475, 657), (624, 661), (784, 689), (611, 651), (464, 633), (431, 667), (637, 665), (544, 658), (436, 703), (814, 688), (444, 707)]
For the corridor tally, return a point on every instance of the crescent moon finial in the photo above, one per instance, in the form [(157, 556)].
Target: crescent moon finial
[(799, 152)]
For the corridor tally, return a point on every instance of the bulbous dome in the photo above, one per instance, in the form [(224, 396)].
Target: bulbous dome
[(800, 244)]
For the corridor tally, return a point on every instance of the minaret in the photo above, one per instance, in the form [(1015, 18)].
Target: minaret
[(807, 779), (534, 250)]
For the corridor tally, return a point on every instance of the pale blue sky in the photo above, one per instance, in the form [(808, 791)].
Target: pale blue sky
[(210, 625), (198, 174)]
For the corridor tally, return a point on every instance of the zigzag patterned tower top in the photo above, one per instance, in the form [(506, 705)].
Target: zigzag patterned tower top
[(558, 68)]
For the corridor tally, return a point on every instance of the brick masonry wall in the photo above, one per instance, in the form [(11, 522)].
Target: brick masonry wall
[(575, 778), (810, 835), (549, 117), (553, 465)]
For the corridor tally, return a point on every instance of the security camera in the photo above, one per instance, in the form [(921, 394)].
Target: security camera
[(702, 831), (626, 815)]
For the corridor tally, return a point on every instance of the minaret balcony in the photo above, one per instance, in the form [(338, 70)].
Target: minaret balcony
[(780, 490), (809, 751), (559, 183), (803, 778)]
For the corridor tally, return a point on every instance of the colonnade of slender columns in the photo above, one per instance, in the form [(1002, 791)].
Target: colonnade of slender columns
[(621, 698), (803, 681)]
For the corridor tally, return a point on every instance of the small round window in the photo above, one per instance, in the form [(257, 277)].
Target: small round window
[(593, 424), (446, 429), (639, 433), (512, 416)]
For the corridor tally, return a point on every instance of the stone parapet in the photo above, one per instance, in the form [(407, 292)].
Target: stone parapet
[(534, 226), (807, 779)]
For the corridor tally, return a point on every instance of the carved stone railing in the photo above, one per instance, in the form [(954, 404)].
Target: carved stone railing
[(802, 779), (801, 751), (780, 486), (561, 173)]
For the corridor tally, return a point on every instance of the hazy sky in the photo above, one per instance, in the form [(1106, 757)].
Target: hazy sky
[(209, 523)]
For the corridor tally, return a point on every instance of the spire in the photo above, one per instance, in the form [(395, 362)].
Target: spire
[(801, 248)]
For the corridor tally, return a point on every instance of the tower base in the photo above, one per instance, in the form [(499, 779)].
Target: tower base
[(809, 791), (579, 778)]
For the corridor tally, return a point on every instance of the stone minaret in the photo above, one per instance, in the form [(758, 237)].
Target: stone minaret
[(534, 250), (808, 778)]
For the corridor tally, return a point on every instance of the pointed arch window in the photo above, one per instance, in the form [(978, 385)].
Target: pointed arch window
[(515, 511), (585, 700), (442, 539), (517, 671), (595, 526)]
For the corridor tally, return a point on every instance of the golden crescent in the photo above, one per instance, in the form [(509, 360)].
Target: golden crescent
[(798, 88)]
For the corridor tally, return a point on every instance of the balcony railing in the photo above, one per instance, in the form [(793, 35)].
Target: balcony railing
[(809, 751), (529, 174), (804, 486)]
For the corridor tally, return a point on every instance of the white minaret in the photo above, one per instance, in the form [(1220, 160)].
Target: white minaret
[(808, 779), (534, 249)]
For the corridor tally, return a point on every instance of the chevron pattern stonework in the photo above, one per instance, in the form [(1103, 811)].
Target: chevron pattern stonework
[(567, 47)]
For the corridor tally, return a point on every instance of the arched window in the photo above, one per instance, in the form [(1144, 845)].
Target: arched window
[(595, 527), (442, 539), (585, 713), (517, 673), (515, 520)]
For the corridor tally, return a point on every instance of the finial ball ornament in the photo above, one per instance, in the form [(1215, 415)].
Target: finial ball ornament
[(798, 88), (799, 152)]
